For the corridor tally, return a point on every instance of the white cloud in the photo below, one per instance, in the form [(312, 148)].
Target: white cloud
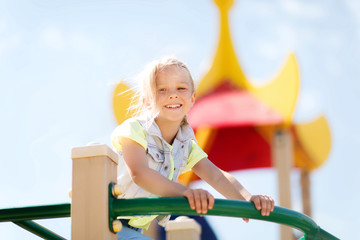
[(287, 34), (175, 49), (78, 42), (285, 40), (52, 37), (269, 50), (8, 40), (308, 107), (264, 9), (354, 7), (301, 9), (3, 26)]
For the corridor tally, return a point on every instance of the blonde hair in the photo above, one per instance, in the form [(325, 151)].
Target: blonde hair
[(146, 93)]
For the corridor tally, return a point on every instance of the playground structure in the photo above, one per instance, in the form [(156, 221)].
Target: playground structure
[(283, 145), (244, 126), (95, 207)]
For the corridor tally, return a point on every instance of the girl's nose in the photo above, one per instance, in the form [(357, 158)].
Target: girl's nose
[(173, 94)]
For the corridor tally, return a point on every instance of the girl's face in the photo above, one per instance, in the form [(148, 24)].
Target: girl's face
[(174, 94)]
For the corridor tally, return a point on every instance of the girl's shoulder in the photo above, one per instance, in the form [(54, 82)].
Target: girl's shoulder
[(133, 121), (129, 127), (138, 122)]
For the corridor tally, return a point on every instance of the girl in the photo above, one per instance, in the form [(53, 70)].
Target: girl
[(159, 144)]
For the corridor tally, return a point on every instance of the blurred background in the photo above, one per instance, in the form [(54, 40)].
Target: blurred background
[(61, 60)]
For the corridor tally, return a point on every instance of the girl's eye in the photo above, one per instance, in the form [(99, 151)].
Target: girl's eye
[(181, 88), (162, 90)]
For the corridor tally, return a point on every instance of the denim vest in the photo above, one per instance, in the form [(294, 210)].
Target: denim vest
[(168, 160)]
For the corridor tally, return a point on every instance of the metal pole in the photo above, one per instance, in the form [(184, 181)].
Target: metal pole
[(39, 230), (35, 212), (222, 207)]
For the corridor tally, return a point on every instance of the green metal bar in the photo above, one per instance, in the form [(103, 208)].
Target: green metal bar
[(222, 207), (38, 230), (35, 212), (111, 199), (165, 206)]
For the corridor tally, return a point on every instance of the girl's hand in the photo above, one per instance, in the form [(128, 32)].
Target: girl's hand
[(264, 203), (199, 200)]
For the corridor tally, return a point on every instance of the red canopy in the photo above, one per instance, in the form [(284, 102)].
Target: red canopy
[(231, 108), (234, 115)]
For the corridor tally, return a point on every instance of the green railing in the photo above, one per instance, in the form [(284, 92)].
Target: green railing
[(222, 207), (23, 217), (163, 206)]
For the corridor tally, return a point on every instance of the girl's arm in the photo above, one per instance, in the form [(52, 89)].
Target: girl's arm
[(228, 186), (153, 182)]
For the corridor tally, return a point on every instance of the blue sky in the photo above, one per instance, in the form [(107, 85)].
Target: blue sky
[(60, 61)]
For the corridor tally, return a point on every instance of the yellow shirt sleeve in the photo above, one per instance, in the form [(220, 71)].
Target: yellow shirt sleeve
[(195, 156), (131, 129)]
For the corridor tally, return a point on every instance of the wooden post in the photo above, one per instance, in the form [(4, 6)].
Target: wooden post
[(183, 228), (94, 167), (305, 191), (283, 161)]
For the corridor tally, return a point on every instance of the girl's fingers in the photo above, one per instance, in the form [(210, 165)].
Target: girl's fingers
[(199, 200), (190, 197), (272, 204), (264, 203), (264, 206), (211, 200), (204, 202), (257, 202)]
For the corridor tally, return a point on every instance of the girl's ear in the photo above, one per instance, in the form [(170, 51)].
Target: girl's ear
[(193, 97), (146, 103)]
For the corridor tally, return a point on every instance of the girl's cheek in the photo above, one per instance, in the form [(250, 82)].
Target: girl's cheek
[(186, 94)]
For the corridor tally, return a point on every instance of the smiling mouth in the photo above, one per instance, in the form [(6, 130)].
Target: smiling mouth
[(173, 106)]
